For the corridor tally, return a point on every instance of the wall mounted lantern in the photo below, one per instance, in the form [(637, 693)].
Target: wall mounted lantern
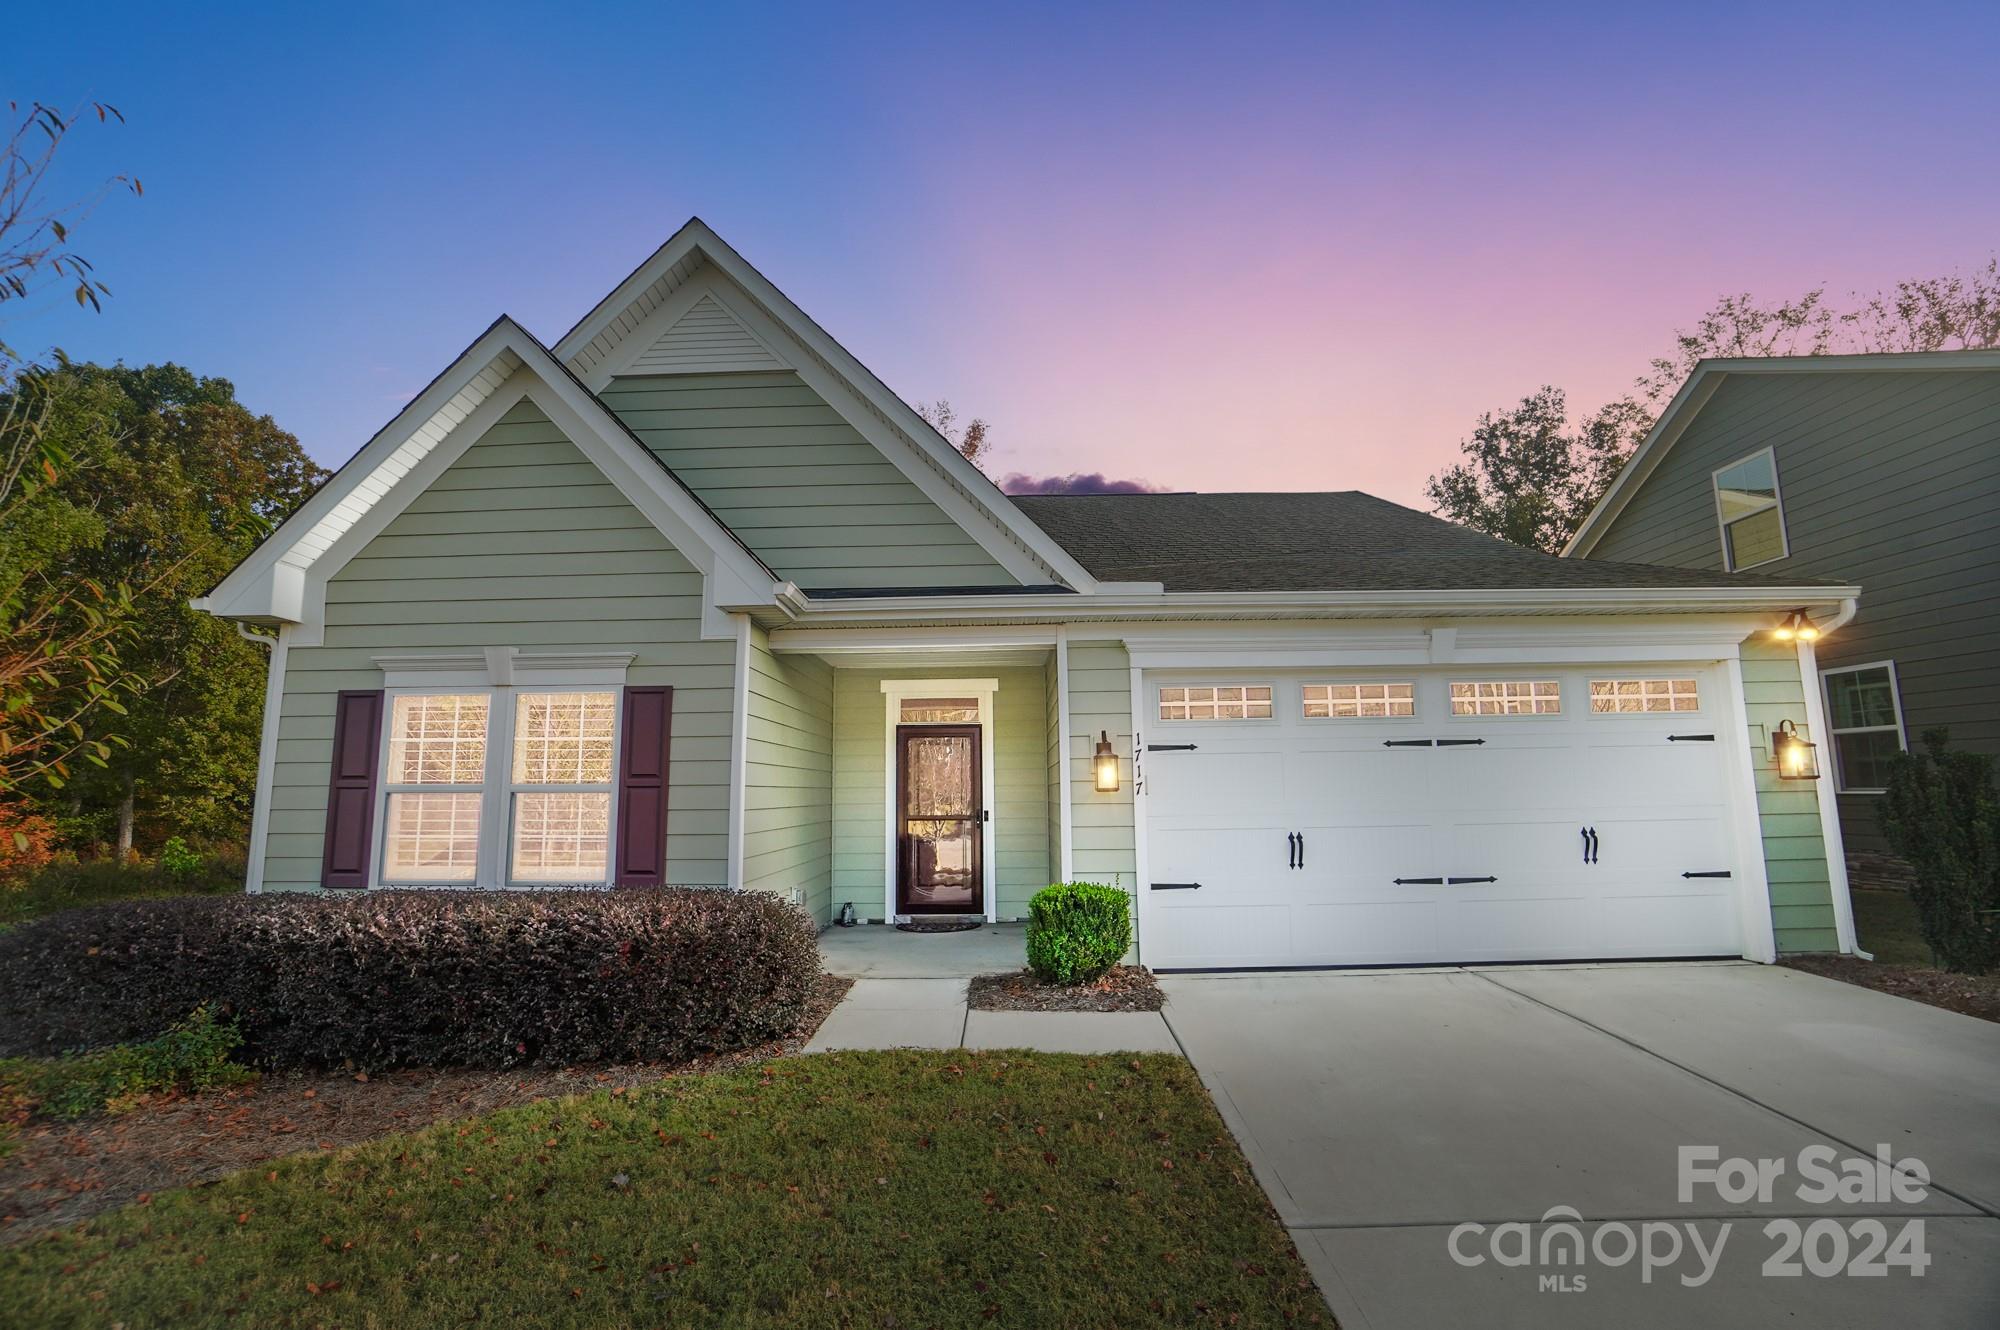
[(1106, 764), (1796, 628), (1796, 759)]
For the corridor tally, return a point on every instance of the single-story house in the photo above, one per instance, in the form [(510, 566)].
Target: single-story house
[(693, 598)]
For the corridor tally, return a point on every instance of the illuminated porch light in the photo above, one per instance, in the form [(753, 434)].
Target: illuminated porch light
[(1105, 763), (1796, 757), (1796, 627)]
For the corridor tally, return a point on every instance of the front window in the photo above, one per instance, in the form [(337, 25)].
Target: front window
[(1867, 725), (435, 781), (458, 763), (1750, 510)]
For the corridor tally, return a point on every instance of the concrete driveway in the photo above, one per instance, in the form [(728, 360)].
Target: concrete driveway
[(1383, 1110)]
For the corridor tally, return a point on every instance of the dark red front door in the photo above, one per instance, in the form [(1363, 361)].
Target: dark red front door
[(940, 817)]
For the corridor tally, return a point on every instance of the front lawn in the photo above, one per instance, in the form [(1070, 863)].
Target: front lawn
[(857, 1189)]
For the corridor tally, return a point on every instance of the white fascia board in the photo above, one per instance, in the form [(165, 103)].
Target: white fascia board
[(854, 641), (284, 580), (1060, 608), (970, 498), (1701, 384)]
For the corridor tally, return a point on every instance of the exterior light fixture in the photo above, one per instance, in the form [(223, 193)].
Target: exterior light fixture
[(1796, 759), (1105, 763), (1796, 628)]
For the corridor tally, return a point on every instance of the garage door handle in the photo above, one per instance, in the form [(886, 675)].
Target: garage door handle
[(1459, 743), (1302, 849), (1170, 748), (1408, 743), (1590, 856), (1292, 849), (1721, 873), (1690, 738), (1455, 881), (1176, 886), (1419, 881)]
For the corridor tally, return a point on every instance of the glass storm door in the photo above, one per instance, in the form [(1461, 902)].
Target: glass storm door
[(940, 817)]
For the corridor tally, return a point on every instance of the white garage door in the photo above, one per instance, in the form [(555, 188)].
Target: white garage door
[(1435, 816)]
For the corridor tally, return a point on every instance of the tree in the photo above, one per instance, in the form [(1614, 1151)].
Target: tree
[(1529, 478), (970, 441), (1941, 814), (187, 481), (59, 638)]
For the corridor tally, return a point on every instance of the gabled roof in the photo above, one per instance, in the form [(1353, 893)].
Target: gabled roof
[(1345, 541), (283, 579), (595, 349), (1709, 375)]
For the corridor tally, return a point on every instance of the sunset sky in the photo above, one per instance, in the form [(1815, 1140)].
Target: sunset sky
[(1213, 247)]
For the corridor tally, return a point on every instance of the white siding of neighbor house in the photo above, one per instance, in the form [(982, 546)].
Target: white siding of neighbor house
[(521, 542)]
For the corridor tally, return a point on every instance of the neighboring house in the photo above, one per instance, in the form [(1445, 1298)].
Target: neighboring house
[(1883, 470), (693, 598)]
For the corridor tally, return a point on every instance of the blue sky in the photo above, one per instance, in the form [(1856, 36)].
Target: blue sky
[(1260, 248)]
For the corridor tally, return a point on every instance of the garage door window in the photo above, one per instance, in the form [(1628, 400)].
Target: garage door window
[(1219, 702), (1507, 697), (1638, 696), (1334, 701)]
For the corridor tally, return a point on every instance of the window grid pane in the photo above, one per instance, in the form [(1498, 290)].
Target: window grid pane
[(564, 738), (1861, 698), (1627, 696), (1507, 697), (1865, 757), (1325, 701), (438, 739), (561, 837), (431, 838), (1234, 701)]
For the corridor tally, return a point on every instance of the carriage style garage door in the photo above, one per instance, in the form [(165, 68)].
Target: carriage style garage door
[(1435, 816)]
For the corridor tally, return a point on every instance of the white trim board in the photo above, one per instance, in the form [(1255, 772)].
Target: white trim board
[(1820, 730), (284, 579), (894, 691)]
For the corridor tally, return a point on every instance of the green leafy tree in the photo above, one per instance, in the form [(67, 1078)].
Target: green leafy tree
[(187, 481), (1530, 477), (1940, 813)]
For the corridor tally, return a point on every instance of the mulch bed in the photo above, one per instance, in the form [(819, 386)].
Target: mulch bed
[(1970, 994), (1123, 988), (64, 1172)]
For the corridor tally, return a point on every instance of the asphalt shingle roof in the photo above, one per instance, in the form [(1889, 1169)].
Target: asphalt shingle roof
[(1340, 541)]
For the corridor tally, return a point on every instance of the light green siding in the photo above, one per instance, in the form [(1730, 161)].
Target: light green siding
[(1021, 864), (521, 542), (1794, 849), (788, 777), (1100, 701), (798, 483)]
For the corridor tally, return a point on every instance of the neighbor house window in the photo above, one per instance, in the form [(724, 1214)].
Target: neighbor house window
[(1507, 697), (1750, 510), (1865, 714), (561, 787), (1229, 701), (1337, 700), (1624, 696), (435, 779)]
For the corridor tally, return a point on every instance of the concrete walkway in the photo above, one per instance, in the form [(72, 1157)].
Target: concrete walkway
[(1382, 1110)]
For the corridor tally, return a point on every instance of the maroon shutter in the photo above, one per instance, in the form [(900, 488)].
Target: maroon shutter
[(350, 795), (642, 787)]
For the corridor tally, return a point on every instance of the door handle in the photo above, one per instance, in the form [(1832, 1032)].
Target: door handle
[(1585, 833), (1302, 849)]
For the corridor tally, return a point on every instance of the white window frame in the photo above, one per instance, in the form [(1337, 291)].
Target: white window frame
[(502, 674), (389, 789), (1410, 684), (608, 787), (1562, 710), (1833, 735), (1159, 702), (1777, 502), (1597, 676)]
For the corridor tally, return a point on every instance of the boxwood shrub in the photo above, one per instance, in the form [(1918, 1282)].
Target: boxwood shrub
[(419, 978), (1077, 931)]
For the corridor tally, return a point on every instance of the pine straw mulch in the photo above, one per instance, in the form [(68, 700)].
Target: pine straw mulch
[(1123, 988), (64, 1172), (1969, 994)]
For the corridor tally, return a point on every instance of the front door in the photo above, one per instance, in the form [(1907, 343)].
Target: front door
[(940, 815)]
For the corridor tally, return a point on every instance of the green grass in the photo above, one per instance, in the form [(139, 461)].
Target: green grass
[(65, 886), (1885, 923), (858, 1189)]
